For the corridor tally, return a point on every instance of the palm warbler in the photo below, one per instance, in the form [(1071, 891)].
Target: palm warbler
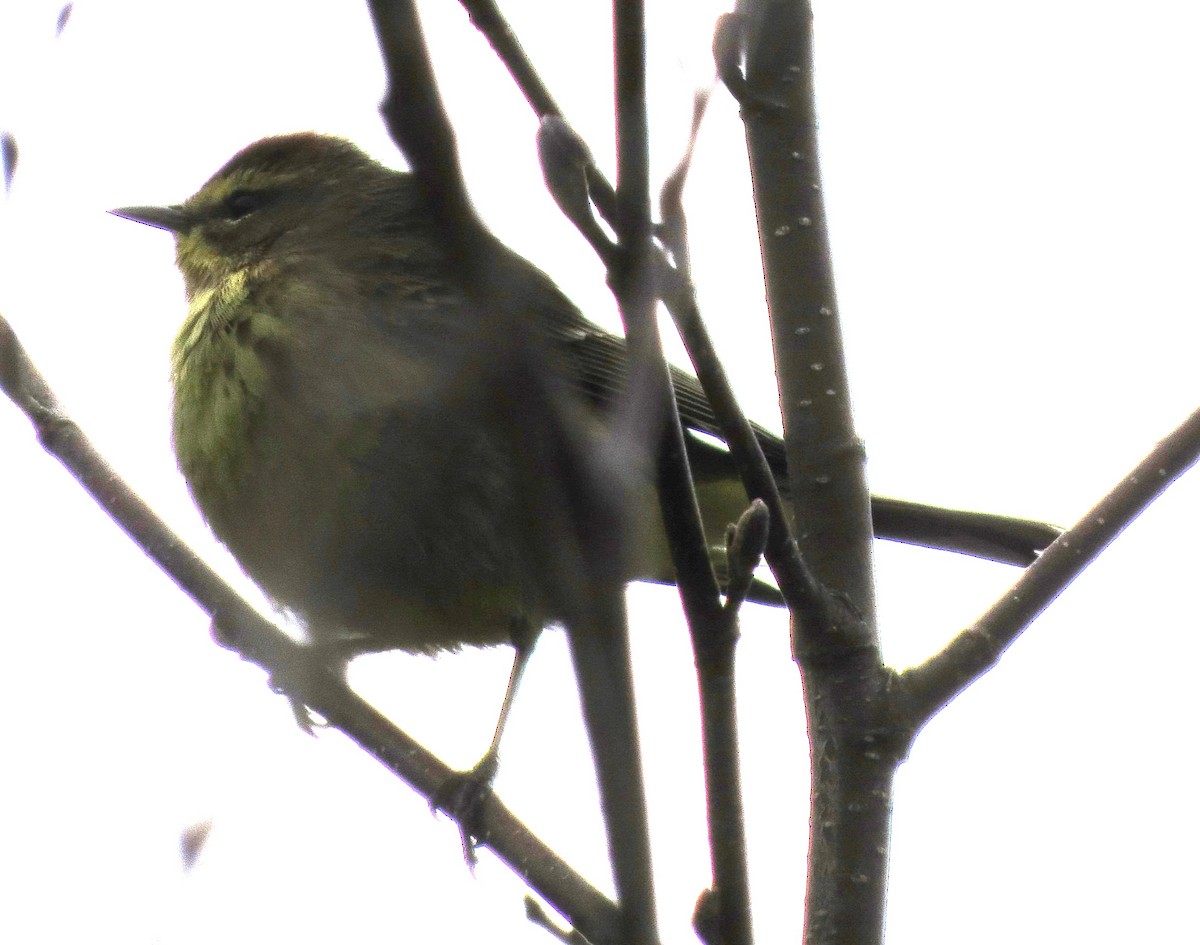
[(335, 429)]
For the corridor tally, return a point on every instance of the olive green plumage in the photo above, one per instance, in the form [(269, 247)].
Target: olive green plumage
[(329, 415), (339, 428)]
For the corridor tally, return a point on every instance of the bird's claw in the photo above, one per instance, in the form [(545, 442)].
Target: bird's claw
[(461, 796)]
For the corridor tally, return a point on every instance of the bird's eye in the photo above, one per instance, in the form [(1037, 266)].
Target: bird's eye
[(242, 203)]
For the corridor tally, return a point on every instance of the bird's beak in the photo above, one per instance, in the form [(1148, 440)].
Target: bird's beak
[(175, 219)]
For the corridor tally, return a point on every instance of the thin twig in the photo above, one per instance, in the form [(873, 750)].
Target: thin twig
[(569, 483), (632, 282), (796, 582), (925, 689), (488, 19), (714, 642), (417, 120)]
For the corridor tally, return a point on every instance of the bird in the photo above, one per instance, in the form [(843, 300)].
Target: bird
[(341, 426)]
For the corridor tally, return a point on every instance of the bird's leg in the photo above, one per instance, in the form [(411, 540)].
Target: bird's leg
[(461, 795)]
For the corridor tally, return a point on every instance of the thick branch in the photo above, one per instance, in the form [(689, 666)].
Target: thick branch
[(255, 639), (852, 758), (826, 462)]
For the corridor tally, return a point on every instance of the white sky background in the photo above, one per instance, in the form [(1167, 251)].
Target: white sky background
[(1014, 209)]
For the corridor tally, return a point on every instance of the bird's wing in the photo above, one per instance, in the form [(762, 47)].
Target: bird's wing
[(597, 364)]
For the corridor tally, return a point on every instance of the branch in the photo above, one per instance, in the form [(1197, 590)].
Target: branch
[(568, 167), (486, 17), (239, 627), (825, 457), (999, 538), (764, 525), (417, 120), (852, 762), (927, 688), (799, 587), (575, 488)]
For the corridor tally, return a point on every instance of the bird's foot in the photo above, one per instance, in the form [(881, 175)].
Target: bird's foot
[(461, 796)]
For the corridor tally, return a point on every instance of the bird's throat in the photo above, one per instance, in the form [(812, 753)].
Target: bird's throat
[(219, 373)]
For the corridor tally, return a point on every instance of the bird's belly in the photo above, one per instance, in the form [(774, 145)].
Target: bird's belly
[(372, 553)]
